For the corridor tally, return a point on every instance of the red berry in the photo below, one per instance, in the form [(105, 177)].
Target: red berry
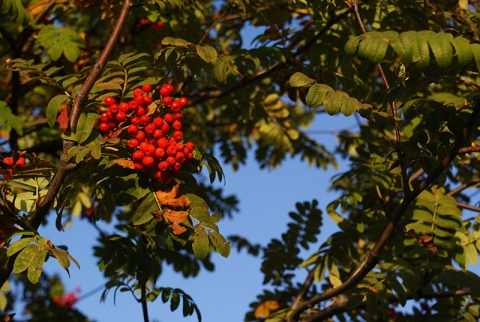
[(157, 134), (137, 92), (175, 107), (8, 161), (177, 166), (140, 111), (124, 107), (121, 116), (137, 166), (132, 129), (144, 120), (180, 157), (178, 135), (140, 100), (144, 146), (158, 122), (166, 90), (167, 100), (147, 88), (159, 153), (190, 146), (165, 128), (162, 143), (183, 101), (159, 24), (147, 100), (104, 127), (135, 120), (148, 161), (138, 155), (163, 166), (109, 100), (140, 136), (168, 118), (104, 117), (149, 129), (170, 160), (114, 108), (179, 146), (177, 125), (132, 105), (171, 150), (133, 143), (178, 116)]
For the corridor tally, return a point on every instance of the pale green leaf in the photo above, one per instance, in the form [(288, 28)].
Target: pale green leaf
[(300, 80), (53, 107)]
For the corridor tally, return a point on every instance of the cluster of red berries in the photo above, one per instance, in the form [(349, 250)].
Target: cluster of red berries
[(155, 136), (11, 164), (152, 25)]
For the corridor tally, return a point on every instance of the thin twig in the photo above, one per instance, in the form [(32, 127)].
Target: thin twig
[(219, 18)]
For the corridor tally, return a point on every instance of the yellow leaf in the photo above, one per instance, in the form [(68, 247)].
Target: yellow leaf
[(264, 309)]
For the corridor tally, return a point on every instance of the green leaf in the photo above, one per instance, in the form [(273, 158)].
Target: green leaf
[(19, 245), (8, 120), (317, 93), (463, 50), (440, 44), (300, 80), (206, 53), (14, 9), (476, 54), (200, 245), (373, 47), (403, 45), (24, 258), (53, 107), (421, 48), (332, 103), (36, 265), (143, 213), (220, 243), (220, 71), (350, 106), (199, 207)]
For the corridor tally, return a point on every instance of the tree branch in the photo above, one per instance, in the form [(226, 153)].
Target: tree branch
[(274, 68), (371, 259), (65, 166), (340, 306)]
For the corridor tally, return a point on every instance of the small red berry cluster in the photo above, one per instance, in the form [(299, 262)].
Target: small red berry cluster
[(152, 25), (156, 137), (11, 164)]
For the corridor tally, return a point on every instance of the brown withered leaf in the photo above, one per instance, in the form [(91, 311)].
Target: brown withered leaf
[(175, 216), (158, 215), (177, 229), (425, 240), (171, 199), (124, 163)]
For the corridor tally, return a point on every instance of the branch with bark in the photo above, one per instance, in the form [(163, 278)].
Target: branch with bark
[(65, 166)]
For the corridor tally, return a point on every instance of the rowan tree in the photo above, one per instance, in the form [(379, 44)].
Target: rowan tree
[(110, 110)]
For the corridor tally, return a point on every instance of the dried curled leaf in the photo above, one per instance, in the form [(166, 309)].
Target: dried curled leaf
[(124, 163), (425, 240), (171, 199)]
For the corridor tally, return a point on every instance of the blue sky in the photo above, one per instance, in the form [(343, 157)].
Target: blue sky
[(265, 197)]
